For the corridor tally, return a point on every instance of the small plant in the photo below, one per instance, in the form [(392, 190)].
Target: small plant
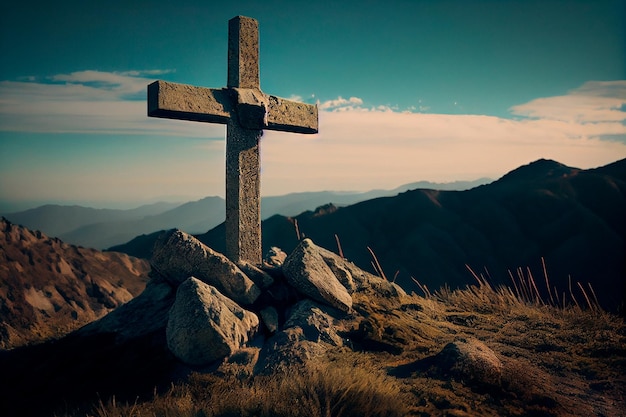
[(376, 264), (339, 247), (524, 291)]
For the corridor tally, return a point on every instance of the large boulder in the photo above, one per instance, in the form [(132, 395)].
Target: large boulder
[(310, 330), (306, 270), (472, 361), (354, 278), (316, 322), (178, 255), (205, 326)]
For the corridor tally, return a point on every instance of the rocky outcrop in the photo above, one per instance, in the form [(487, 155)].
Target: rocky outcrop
[(178, 256), (145, 314), (49, 288), (275, 257), (291, 306), (316, 322), (205, 326), (468, 360), (306, 270)]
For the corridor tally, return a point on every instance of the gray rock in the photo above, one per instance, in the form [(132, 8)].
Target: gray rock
[(178, 255), (275, 257), (337, 265), (315, 321), (354, 278), (205, 326), (269, 315), (472, 361), (261, 278), (287, 348), (307, 272), (307, 335)]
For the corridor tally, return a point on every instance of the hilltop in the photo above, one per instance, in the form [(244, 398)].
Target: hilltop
[(311, 334)]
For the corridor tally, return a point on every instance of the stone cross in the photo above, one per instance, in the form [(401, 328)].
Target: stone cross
[(246, 111)]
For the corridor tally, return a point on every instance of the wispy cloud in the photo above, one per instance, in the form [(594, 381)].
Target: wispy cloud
[(378, 146), (593, 102), (89, 102), (341, 104), (383, 148), (380, 149)]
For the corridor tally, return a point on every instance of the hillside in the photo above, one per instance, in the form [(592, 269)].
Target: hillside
[(320, 337), (103, 228), (572, 218), (49, 288), (55, 220), (194, 215)]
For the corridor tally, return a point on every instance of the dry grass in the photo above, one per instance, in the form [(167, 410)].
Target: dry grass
[(561, 355), (336, 390), (523, 293)]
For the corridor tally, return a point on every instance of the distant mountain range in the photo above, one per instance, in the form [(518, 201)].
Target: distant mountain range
[(574, 219), (103, 228)]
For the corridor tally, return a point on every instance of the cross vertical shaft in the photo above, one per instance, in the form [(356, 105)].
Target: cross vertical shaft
[(246, 111), (243, 185)]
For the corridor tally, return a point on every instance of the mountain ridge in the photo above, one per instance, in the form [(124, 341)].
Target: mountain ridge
[(571, 219), (48, 287), (103, 228)]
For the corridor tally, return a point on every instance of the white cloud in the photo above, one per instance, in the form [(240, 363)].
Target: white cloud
[(593, 102), (119, 84), (89, 102), (357, 147), (364, 150), (341, 104)]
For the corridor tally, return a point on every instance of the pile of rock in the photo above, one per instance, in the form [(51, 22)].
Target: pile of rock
[(210, 308)]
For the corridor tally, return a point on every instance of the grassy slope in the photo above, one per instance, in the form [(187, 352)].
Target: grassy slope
[(556, 361)]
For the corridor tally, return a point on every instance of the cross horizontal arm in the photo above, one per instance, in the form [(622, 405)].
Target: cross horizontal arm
[(291, 116), (212, 105), (186, 102)]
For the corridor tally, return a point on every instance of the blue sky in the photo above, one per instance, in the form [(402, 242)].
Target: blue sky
[(407, 91)]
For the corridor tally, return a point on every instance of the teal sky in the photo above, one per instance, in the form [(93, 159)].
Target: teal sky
[(408, 91)]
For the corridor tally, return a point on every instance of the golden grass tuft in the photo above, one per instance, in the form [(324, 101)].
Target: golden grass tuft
[(524, 292), (327, 391)]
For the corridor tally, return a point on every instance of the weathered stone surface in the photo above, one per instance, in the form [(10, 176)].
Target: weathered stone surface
[(178, 255), (309, 331), (354, 278), (337, 265), (287, 348), (187, 102), (205, 326), (269, 315), (306, 271), (261, 278), (275, 257), (246, 110), (472, 361), (243, 194), (315, 321)]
